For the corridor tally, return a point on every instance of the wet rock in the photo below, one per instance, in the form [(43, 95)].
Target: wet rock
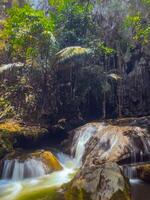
[(49, 159), (14, 133), (113, 143), (99, 182), (143, 172)]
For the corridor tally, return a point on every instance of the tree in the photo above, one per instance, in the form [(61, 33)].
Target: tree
[(28, 34), (138, 22), (72, 20)]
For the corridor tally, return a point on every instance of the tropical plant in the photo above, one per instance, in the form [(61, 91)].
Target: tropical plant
[(28, 34), (138, 22), (69, 53), (72, 21)]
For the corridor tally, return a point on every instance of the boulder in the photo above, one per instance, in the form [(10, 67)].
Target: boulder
[(143, 172), (48, 159), (112, 143), (117, 144), (99, 182)]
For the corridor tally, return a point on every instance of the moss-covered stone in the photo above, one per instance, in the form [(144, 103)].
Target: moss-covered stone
[(49, 159), (101, 182), (6, 144), (16, 128), (73, 193), (11, 131)]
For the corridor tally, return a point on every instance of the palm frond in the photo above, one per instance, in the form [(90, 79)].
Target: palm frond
[(114, 76), (69, 53)]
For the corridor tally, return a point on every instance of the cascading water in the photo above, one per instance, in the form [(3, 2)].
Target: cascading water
[(130, 171), (19, 170), (14, 186), (83, 138)]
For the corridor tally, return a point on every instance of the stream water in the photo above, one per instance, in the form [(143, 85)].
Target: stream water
[(38, 185)]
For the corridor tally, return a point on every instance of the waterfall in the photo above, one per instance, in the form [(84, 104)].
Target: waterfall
[(130, 171), (83, 137), (18, 170)]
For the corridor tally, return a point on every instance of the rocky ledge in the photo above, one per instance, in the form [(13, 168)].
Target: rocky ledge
[(12, 132)]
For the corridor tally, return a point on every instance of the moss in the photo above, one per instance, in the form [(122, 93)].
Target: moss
[(13, 127), (10, 127), (12, 131), (41, 194), (123, 195), (120, 195), (6, 144), (73, 193), (49, 159)]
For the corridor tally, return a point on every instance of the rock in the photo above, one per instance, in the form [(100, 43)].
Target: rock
[(112, 143), (100, 182), (143, 172), (6, 144), (49, 159), (15, 133), (45, 156), (13, 127)]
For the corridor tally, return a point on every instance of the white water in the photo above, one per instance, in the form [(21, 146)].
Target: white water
[(83, 138), (19, 170), (11, 189)]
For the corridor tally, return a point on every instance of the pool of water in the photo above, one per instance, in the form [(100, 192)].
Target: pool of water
[(140, 189)]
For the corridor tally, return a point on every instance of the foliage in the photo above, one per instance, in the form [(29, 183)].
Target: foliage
[(73, 21), (70, 53), (139, 23), (28, 33), (6, 109)]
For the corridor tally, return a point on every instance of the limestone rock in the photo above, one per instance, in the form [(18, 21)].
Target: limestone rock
[(113, 143), (100, 182)]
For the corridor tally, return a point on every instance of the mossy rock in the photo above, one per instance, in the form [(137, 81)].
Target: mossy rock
[(15, 128), (48, 159), (73, 193), (12, 131), (6, 144), (100, 182)]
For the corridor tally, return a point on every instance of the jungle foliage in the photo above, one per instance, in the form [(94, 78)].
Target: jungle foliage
[(83, 46)]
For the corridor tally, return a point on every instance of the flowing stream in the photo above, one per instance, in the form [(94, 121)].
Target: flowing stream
[(28, 178), (22, 180)]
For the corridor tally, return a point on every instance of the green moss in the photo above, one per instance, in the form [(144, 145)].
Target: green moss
[(41, 194), (120, 195), (73, 193), (123, 195)]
